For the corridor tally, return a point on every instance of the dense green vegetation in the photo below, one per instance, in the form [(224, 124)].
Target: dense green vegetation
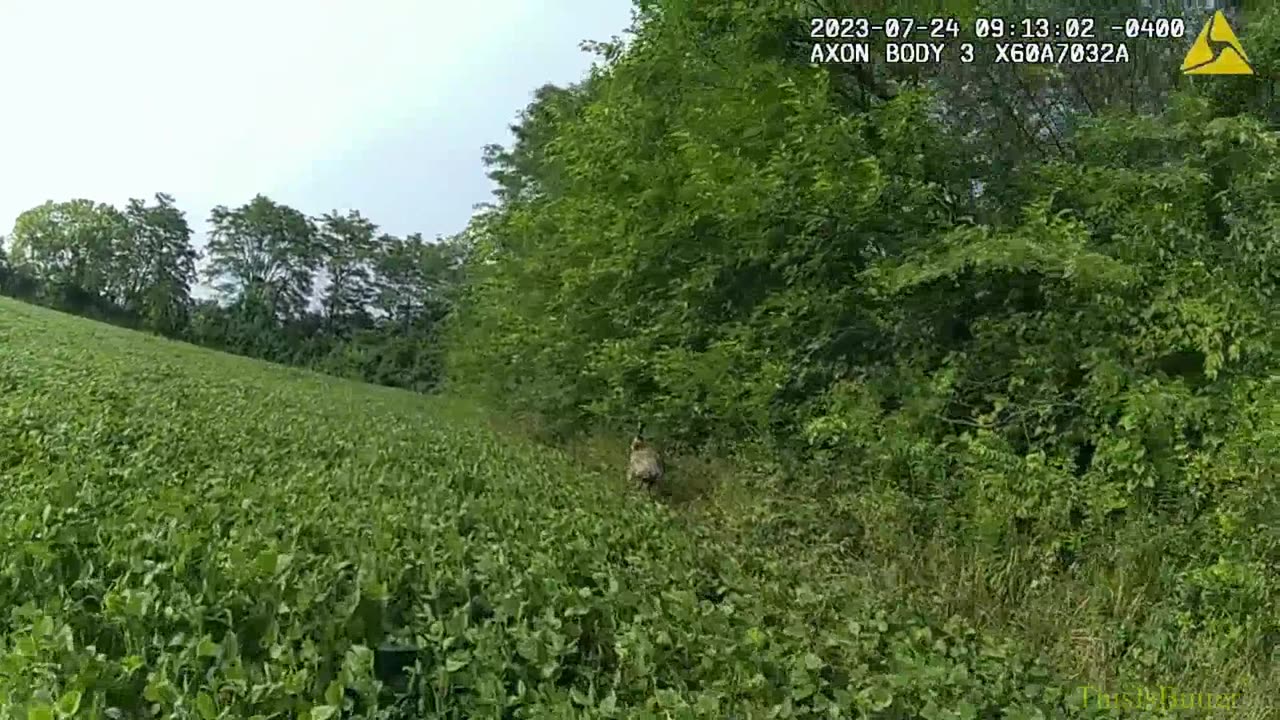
[(158, 558), (981, 360), (1019, 323)]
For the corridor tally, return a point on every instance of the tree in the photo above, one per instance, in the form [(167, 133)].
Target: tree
[(346, 246), (68, 246), (4, 265), (526, 170), (154, 266), (1003, 118), (266, 251), (414, 279)]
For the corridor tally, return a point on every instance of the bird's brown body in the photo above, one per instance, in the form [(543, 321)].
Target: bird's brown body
[(645, 466)]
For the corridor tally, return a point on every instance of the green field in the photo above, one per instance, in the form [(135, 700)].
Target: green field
[(191, 534)]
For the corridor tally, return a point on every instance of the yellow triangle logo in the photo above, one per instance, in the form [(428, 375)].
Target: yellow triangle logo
[(1216, 51)]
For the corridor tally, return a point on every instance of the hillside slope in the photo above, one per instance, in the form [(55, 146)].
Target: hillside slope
[(193, 534)]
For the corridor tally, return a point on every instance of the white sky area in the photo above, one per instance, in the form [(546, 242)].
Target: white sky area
[(377, 105)]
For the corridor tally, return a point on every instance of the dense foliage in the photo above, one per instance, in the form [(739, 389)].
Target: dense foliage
[(1014, 306), (333, 294), (345, 550), (997, 344)]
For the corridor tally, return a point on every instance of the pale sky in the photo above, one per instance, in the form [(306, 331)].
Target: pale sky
[(377, 105)]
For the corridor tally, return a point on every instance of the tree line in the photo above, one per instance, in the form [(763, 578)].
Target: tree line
[(332, 293)]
